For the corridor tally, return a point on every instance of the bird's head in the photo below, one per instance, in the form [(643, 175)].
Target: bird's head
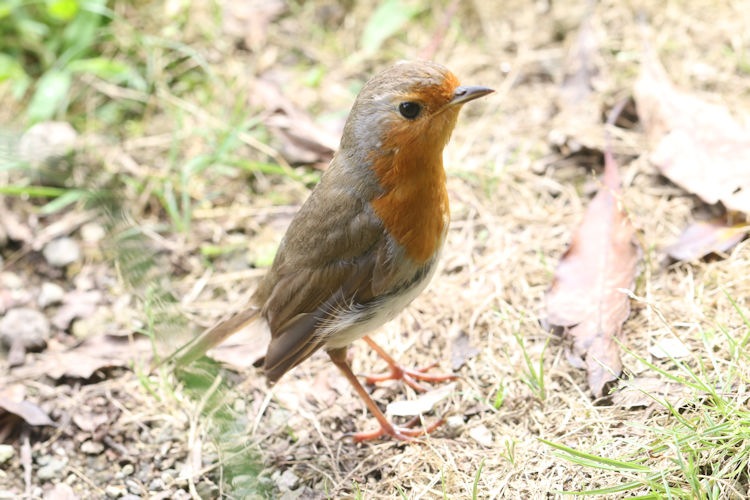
[(412, 104)]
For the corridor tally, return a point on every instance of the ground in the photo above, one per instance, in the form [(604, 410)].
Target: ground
[(520, 171)]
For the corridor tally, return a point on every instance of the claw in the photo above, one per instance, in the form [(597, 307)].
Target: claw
[(402, 433)]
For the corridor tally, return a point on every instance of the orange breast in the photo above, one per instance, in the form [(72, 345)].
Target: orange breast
[(414, 208)]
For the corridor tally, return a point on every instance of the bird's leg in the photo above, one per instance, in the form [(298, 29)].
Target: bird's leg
[(402, 433), (408, 375)]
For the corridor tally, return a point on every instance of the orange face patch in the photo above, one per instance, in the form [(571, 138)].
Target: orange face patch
[(414, 208)]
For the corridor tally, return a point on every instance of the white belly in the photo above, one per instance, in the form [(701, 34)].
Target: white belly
[(357, 321)]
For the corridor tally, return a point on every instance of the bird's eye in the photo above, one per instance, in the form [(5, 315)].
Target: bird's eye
[(409, 110)]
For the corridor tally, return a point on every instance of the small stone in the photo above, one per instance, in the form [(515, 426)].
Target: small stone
[(50, 294), (27, 327), (61, 252), (482, 435), (10, 280), (288, 480), (6, 453), (51, 470), (134, 487), (47, 140), (114, 491), (130, 497), (156, 485), (454, 421), (91, 232), (127, 469), (92, 447)]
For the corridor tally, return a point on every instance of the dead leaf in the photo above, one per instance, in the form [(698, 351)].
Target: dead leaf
[(61, 491), (422, 404), (12, 401), (461, 350), (249, 20), (577, 124), (586, 297), (303, 140), (244, 348), (76, 304), (698, 145), (669, 347), (702, 238), (635, 393), (95, 353)]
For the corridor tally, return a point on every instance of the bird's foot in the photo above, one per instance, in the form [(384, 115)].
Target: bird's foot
[(401, 433), (410, 376)]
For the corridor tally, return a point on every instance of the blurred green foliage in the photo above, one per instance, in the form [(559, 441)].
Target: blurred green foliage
[(44, 44)]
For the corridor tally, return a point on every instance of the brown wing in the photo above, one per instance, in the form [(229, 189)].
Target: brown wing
[(330, 257)]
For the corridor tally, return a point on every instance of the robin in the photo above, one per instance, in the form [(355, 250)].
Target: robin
[(367, 240)]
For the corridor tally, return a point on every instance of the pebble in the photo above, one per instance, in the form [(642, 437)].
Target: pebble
[(24, 325), (51, 469), (61, 252), (10, 280), (482, 435), (114, 491), (156, 485), (127, 469), (50, 294), (288, 480), (130, 497), (454, 421), (92, 447), (91, 232), (6, 453), (47, 140)]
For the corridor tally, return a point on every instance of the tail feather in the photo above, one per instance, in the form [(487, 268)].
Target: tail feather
[(210, 338)]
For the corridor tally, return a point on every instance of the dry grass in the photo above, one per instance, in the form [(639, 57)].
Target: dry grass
[(514, 203)]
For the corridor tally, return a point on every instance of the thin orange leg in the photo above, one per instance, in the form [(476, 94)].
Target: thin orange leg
[(402, 433), (408, 375)]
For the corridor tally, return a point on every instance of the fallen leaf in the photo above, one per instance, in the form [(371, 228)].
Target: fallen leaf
[(303, 140), (422, 404), (482, 435), (577, 124), (585, 298), (698, 145), (76, 304), (646, 391), (702, 238), (244, 348), (249, 20), (95, 353), (669, 347), (61, 491), (461, 350), (12, 401)]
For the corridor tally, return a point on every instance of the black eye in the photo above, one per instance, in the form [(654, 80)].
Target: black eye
[(409, 110)]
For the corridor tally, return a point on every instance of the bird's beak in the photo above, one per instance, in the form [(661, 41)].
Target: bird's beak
[(464, 94)]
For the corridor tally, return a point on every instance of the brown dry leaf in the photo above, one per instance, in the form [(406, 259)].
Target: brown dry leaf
[(94, 353), (578, 121), (76, 304), (461, 350), (244, 348), (249, 20), (12, 401), (636, 393), (303, 140), (586, 297), (698, 145), (61, 491), (702, 238), (422, 404)]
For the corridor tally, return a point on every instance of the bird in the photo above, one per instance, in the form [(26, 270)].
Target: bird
[(366, 241)]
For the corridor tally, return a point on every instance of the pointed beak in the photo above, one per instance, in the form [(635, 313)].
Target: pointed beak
[(464, 94)]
